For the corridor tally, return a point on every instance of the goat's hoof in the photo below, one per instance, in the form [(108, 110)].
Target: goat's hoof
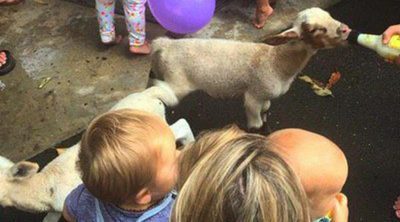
[(255, 125), (264, 117)]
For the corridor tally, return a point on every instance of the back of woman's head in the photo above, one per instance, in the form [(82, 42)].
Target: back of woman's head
[(228, 175)]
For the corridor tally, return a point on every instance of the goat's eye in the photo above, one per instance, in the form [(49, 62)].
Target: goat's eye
[(21, 172), (323, 30)]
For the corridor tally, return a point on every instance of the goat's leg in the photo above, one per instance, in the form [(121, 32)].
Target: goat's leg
[(52, 217), (264, 110), (182, 131), (181, 89), (172, 90), (253, 108), (163, 91)]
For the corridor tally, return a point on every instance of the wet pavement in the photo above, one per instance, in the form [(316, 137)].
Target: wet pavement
[(58, 41), (362, 118)]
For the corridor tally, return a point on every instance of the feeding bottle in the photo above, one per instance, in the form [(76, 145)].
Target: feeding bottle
[(390, 51)]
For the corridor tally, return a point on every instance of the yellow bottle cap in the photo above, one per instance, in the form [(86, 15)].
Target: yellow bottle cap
[(395, 42)]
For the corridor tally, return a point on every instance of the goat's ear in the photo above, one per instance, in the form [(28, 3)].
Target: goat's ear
[(5, 163), (283, 37), (24, 169)]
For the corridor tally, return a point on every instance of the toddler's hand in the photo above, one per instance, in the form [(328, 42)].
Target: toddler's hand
[(341, 212), (392, 30)]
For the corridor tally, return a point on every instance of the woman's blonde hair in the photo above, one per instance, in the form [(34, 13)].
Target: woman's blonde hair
[(119, 153), (229, 175)]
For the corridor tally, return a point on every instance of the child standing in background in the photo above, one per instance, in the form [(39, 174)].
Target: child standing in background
[(135, 23), (263, 11)]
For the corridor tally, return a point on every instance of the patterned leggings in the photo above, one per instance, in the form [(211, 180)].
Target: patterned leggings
[(134, 18)]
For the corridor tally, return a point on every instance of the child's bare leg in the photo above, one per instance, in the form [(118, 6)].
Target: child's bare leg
[(136, 25), (105, 17), (263, 11)]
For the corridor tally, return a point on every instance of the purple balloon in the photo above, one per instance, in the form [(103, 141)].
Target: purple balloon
[(182, 16)]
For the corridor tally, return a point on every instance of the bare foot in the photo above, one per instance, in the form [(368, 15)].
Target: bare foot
[(142, 50), (262, 16), (116, 41), (3, 58), (9, 2)]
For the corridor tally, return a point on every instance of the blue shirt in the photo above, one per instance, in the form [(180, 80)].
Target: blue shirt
[(83, 206)]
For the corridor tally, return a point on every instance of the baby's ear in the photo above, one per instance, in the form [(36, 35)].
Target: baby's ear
[(340, 212), (23, 170), (143, 197), (283, 37)]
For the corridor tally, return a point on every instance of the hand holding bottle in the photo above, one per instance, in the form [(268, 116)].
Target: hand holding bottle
[(386, 36), (390, 51)]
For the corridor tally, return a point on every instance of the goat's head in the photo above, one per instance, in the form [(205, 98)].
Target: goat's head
[(12, 174), (316, 28)]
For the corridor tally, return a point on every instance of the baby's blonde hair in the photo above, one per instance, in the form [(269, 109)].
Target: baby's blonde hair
[(119, 153), (237, 178)]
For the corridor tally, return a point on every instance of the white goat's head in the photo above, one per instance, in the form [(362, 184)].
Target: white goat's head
[(12, 174), (316, 28)]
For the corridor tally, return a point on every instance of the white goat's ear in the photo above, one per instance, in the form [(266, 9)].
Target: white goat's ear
[(5, 163), (24, 169), (282, 38)]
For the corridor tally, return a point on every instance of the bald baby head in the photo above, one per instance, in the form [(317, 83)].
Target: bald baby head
[(319, 163)]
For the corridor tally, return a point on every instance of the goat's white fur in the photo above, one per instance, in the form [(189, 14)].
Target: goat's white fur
[(226, 68), (47, 189)]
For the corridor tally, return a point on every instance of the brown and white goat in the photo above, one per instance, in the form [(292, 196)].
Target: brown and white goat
[(259, 71)]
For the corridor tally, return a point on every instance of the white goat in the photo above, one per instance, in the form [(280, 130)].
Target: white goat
[(21, 186), (260, 72)]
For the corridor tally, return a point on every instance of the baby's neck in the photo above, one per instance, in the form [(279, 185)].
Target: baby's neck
[(138, 207)]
